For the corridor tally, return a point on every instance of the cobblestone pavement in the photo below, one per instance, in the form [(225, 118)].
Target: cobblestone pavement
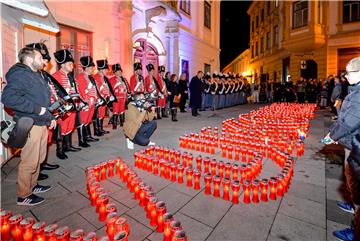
[(307, 212)]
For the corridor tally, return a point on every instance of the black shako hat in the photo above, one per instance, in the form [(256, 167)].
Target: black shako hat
[(87, 61), (116, 67), (62, 56), (102, 64), (150, 67), (137, 66), (41, 48), (161, 68)]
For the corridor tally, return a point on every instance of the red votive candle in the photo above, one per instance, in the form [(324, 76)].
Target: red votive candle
[(235, 186), (228, 170), (230, 152), (110, 224), (16, 231), (5, 225), (90, 237), (220, 167), (110, 207), (180, 172), (173, 172), (255, 191), (207, 180), (77, 235), (213, 164), (168, 218), (272, 184), (155, 163), (237, 153), (174, 226), (25, 226), (38, 231), (216, 181), (122, 225), (243, 172), (62, 234), (111, 165), (246, 186), (160, 211), (101, 202), (179, 235), (206, 164), (177, 157), (223, 150), (198, 162), (190, 159), (162, 168), (50, 232), (226, 189), (151, 207), (197, 176), (172, 155), (103, 171), (264, 187), (150, 164), (142, 195), (166, 154), (121, 236), (235, 171), (167, 170), (189, 174), (280, 188)]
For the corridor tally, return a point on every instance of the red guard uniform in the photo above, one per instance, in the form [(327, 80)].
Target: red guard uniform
[(87, 92), (150, 85), (136, 85), (67, 122), (162, 99), (104, 91), (120, 91)]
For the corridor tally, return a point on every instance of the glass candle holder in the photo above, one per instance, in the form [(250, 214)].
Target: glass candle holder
[(90, 237), (213, 164), (216, 181), (168, 218), (150, 164), (226, 188), (121, 224), (50, 232), (15, 230), (230, 152), (255, 191), (190, 159), (38, 231), (223, 150), (235, 172), (264, 188), (103, 171), (207, 180), (235, 186), (242, 172), (77, 235), (166, 154), (5, 225), (272, 185), (162, 168), (220, 167), (111, 165), (142, 195), (160, 211), (174, 226), (237, 153), (199, 162), (152, 211), (246, 186), (101, 203), (180, 171), (173, 172), (189, 177), (177, 157), (110, 224), (206, 165), (62, 234), (156, 166), (167, 170), (280, 188), (197, 176), (228, 169), (25, 225), (121, 236), (110, 207)]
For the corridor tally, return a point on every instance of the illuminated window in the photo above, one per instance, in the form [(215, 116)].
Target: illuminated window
[(207, 15), (78, 42), (300, 14), (351, 11), (185, 6), (207, 68)]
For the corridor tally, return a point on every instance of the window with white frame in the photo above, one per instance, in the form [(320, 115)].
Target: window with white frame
[(351, 11), (207, 15), (300, 14)]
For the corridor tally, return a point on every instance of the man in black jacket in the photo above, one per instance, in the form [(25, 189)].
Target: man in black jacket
[(28, 95), (196, 88)]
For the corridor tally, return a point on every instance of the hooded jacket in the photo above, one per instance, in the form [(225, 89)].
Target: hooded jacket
[(25, 93)]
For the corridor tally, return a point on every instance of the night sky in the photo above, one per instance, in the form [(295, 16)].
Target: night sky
[(234, 22)]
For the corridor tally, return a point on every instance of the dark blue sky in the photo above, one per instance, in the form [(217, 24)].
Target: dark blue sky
[(234, 30)]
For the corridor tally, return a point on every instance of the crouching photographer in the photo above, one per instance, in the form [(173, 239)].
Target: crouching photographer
[(139, 120)]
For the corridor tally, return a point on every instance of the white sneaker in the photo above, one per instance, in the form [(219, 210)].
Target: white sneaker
[(151, 143), (130, 144)]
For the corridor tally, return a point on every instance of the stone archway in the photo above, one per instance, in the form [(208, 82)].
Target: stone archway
[(146, 53)]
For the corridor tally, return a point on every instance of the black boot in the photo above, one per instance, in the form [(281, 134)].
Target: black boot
[(102, 127), (164, 113), (158, 113), (173, 114), (88, 136), (121, 119), (68, 144), (111, 120), (81, 136), (115, 121), (96, 124), (60, 145)]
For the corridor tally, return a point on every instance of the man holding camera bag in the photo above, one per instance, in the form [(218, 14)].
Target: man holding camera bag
[(28, 95)]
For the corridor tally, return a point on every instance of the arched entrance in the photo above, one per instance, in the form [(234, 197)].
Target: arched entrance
[(146, 53), (310, 71)]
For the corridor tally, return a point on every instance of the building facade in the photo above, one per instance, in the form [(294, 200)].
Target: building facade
[(182, 35), (312, 39)]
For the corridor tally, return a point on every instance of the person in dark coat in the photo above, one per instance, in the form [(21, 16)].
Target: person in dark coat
[(196, 88), (183, 89), (343, 131), (174, 89)]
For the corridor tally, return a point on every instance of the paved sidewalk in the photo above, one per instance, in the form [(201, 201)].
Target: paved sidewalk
[(307, 212)]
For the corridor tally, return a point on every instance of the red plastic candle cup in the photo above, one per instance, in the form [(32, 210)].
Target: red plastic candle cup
[(104, 238), (150, 164), (226, 188), (184, 159), (50, 232), (62, 234), (179, 235), (228, 170), (280, 188), (197, 176), (110, 208), (230, 152), (213, 164), (121, 236), (26, 229), (90, 237), (206, 165), (235, 172), (255, 191), (77, 235), (223, 150), (155, 166), (246, 186), (101, 202), (237, 153), (168, 218), (264, 189), (235, 186), (173, 172), (160, 211), (5, 225), (110, 224), (243, 172), (142, 195), (189, 177), (135, 188), (220, 167), (272, 184), (172, 155), (151, 211), (180, 171), (117, 166), (199, 162), (167, 170), (103, 171), (174, 226), (148, 195), (38, 231), (177, 157), (166, 154), (111, 165), (16, 231), (216, 181), (190, 159), (207, 180), (121, 224), (162, 168)]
